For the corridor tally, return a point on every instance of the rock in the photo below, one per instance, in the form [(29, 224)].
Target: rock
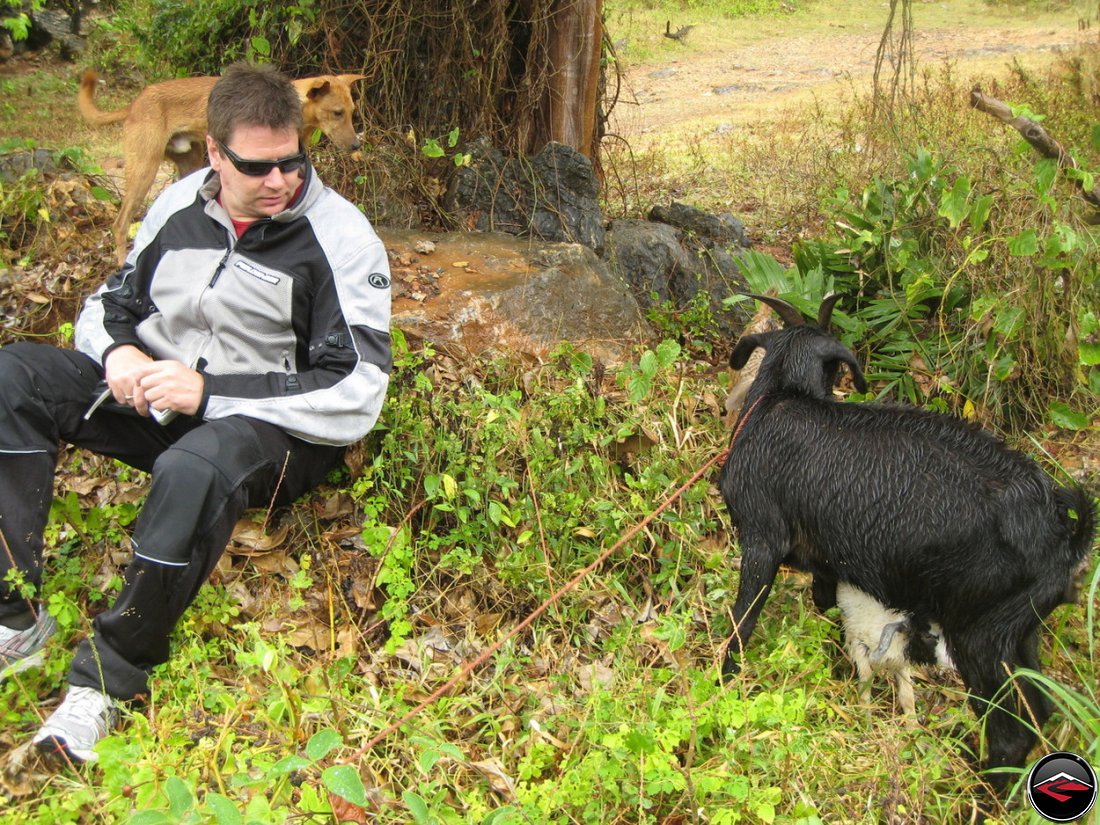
[(44, 27), (491, 293), (13, 165), (551, 196), (650, 259), (670, 266), (723, 229)]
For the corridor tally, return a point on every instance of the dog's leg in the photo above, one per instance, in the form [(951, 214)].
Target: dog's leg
[(142, 148)]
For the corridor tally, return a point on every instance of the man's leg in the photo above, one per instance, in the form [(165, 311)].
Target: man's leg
[(201, 487), (45, 392), (40, 384)]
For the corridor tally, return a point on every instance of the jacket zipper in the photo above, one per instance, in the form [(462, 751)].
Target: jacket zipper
[(221, 264)]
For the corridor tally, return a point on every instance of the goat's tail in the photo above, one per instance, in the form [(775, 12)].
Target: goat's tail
[(1080, 515)]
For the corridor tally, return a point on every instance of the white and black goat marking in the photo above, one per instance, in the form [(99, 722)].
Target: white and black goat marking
[(878, 638)]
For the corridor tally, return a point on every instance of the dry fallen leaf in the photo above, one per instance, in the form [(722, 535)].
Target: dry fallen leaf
[(345, 811), (486, 623), (501, 783), (250, 540), (279, 563), (18, 776), (596, 674), (336, 505)]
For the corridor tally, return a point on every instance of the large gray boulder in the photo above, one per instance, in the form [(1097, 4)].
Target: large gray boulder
[(674, 268), (723, 229), (475, 293), (45, 27), (651, 261)]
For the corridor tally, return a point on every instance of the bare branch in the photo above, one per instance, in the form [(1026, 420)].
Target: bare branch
[(1034, 134)]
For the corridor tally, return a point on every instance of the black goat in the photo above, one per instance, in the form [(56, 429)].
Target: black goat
[(925, 513)]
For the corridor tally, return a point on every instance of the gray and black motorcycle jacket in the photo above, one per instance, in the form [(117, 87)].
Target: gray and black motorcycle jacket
[(289, 323)]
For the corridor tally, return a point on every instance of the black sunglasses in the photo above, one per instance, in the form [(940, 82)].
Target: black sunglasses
[(262, 168)]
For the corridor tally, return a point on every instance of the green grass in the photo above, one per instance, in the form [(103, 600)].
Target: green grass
[(475, 498)]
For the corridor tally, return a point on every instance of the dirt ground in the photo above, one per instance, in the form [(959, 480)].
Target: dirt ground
[(718, 82), (752, 73)]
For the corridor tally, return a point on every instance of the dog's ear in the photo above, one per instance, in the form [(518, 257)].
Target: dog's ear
[(350, 78), (318, 87)]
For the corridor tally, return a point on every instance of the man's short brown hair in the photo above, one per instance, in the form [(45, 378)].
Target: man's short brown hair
[(247, 95)]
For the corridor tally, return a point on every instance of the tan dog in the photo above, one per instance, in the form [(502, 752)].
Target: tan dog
[(168, 121)]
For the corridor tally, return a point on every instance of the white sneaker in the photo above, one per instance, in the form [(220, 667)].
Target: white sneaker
[(80, 721), (20, 649)]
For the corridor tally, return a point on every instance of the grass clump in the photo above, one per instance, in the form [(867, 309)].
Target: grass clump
[(485, 487)]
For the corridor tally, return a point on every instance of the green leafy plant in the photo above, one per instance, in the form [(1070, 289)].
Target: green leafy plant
[(929, 303), (17, 21), (206, 35), (438, 148), (639, 379)]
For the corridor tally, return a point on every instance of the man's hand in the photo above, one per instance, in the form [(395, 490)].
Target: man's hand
[(144, 383), (123, 368), (168, 385)]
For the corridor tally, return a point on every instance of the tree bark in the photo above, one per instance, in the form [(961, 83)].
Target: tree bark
[(569, 105)]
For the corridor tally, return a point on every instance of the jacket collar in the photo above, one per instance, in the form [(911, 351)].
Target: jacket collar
[(311, 190)]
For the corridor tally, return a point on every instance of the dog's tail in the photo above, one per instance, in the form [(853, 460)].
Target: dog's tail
[(85, 101)]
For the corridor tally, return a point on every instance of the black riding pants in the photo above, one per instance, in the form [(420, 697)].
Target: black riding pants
[(205, 474)]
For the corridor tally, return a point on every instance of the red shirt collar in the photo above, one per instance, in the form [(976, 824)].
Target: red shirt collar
[(240, 226)]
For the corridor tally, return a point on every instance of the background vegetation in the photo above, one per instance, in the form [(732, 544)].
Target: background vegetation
[(971, 271)]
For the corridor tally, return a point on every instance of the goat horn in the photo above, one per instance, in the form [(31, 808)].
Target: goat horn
[(791, 316), (826, 311)]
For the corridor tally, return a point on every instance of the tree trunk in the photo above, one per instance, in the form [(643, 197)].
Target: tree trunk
[(568, 106)]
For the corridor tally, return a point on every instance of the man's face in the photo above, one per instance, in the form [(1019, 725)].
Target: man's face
[(247, 197)]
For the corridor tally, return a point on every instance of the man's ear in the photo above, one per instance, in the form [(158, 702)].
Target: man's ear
[(212, 152)]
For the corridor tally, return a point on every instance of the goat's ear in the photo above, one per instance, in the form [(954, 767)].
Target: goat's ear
[(831, 351), (745, 345), (858, 380)]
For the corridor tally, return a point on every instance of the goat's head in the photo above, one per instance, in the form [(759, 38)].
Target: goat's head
[(801, 357)]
